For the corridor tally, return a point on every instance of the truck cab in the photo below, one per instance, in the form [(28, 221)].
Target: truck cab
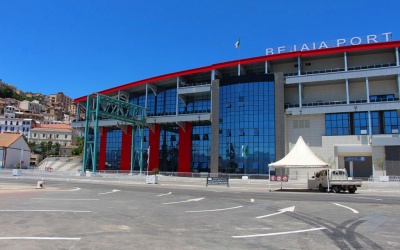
[(336, 180)]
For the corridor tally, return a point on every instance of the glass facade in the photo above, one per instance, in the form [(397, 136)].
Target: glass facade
[(113, 149), (357, 123), (360, 123), (247, 122), (337, 124), (391, 122), (169, 143), (201, 148)]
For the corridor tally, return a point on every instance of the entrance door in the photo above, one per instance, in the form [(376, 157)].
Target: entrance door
[(360, 168)]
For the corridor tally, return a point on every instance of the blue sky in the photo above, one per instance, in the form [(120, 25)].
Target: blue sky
[(81, 47)]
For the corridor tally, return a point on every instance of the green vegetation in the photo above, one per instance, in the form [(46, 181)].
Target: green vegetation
[(380, 163), (7, 92), (79, 149)]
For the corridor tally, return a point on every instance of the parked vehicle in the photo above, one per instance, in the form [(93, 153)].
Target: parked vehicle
[(338, 181)]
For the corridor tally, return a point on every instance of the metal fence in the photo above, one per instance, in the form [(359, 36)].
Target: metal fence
[(384, 183)]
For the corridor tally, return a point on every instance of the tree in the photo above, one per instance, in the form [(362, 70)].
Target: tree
[(79, 149), (6, 92), (49, 147), (57, 148), (43, 149), (380, 163), (32, 145)]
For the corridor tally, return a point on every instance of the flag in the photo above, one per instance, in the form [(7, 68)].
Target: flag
[(237, 44)]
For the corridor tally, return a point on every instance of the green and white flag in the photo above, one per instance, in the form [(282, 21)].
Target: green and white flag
[(237, 44)]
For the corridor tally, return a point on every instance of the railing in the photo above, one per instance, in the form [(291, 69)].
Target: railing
[(374, 66), (192, 84), (328, 103), (384, 183)]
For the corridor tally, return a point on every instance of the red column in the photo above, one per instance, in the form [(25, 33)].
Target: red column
[(154, 143), (126, 149), (185, 148), (103, 149)]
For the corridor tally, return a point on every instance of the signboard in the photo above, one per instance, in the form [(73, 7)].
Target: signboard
[(354, 158), (217, 181), (279, 178), (374, 38)]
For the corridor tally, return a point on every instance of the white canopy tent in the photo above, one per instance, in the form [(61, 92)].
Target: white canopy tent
[(301, 156)]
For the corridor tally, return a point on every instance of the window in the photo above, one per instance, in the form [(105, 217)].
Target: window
[(301, 124), (241, 101), (360, 123), (255, 131), (337, 124), (391, 122), (65, 136)]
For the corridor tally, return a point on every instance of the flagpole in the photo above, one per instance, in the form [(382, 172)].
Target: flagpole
[(239, 58), (237, 45)]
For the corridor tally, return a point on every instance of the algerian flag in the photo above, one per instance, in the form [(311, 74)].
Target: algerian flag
[(237, 44)]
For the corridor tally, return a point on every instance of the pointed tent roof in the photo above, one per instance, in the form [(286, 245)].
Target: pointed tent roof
[(301, 156)]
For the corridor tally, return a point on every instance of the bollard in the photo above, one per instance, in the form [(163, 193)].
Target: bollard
[(40, 184)]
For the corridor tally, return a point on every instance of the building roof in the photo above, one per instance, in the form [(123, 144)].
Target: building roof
[(7, 139), (56, 126), (245, 61), (38, 130)]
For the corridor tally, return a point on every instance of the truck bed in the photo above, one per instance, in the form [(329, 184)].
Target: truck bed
[(355, 182)]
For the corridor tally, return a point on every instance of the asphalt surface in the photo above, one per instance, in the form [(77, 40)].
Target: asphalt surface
[(182, 213)]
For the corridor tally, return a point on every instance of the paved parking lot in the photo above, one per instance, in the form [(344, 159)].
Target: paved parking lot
[(182, 213)]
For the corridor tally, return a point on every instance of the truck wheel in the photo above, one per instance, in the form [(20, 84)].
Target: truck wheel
[(352, 190), (321, 188), (336, 189)]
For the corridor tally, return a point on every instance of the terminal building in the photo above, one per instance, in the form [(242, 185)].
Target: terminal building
[(239, 116)]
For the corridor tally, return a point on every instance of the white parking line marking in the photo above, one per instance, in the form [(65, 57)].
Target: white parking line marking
[(213, 210), (113, 191), (198, 199), (51, 199), (38, 238), (366, 198), (354, 211), (279, 233), (64, 211), (165, 194), (281, 211), (69, 190)]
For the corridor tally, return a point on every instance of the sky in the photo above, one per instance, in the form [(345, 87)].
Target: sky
[(81, 47)]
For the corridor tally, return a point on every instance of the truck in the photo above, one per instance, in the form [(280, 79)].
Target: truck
[(338, 181)]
